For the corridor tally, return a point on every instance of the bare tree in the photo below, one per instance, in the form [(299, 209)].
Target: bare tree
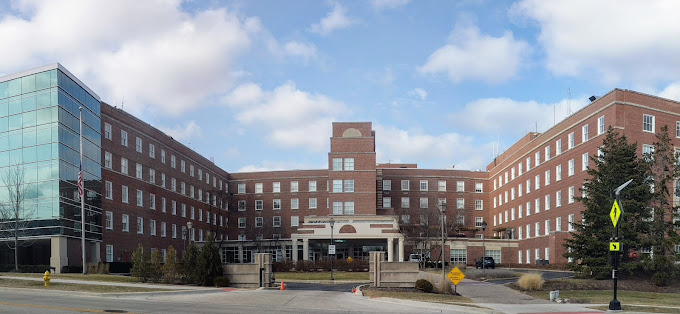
[(220, 217), (15, 214)]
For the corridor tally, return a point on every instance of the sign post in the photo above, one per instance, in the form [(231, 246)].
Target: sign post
[(456, 276), (615, 246)]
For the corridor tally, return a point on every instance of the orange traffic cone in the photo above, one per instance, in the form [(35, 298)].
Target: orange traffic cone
[(283, 286)]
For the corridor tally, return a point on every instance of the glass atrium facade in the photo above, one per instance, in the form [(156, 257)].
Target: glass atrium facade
[(39, 134)]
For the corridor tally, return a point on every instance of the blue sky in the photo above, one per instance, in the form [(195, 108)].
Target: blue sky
[(256, 84)]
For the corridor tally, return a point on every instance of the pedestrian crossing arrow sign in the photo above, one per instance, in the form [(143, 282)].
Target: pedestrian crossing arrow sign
[(614, 246), (615, 214)]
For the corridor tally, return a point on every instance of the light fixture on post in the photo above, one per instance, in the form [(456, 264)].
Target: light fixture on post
[(189, 225), (331, 222), (442, 210), (484, 224)]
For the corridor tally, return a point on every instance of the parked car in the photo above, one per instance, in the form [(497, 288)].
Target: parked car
[(415, 258), (489, 262)]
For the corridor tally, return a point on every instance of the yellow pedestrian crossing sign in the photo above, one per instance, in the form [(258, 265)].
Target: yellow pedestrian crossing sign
[(456, 276), (615, 214), (615, 246)]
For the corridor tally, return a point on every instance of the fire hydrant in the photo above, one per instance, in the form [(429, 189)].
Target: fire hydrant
[(47, 278)]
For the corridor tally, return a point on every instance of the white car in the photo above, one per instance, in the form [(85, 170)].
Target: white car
[(415, 258)]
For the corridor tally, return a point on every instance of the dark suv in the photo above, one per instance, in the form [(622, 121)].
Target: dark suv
[(488, 263)]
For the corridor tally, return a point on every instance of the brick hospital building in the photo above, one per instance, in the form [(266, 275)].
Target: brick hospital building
[(142, 186)]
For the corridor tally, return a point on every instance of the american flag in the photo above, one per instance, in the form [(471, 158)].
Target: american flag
[(80, 182)]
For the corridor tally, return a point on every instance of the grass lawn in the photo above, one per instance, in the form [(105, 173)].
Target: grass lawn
[(604, 296), (18, 283), (326, 275), (93, 277), (417, 296)]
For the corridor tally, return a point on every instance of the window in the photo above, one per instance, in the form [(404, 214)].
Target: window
[(528, 163), (538, 159), (558, 198), (647, 151), (241, 222), (294, 221), (184, 210), (108, 160), (337, 186), (173, 161), (349, 186), (519, 168), (479, 187), (677, 129), (162, 155), (558, 147), (478, 222), (200, 174), (387, 202), (276, 222), (404, 202), (547, 202), (584, 164), (570, 144), (558, 224), (294, 203), (109, 190), (512, 214), (138, 171), (241, 205), (600, 125), (140, 225), (460, 203), (512, 173), (337, 164), (152, 227), (107, 131), (537, 180), (259, 221), (547, 177), (537, 232), (163, 231), (152, 151), (571, 167), (423, 202), (528, 212), (124, 194), (547, 153), (519, 252), (174, 208), (152, 201), (479, 205), (337, 208), (109, 253), (312, 203), (349, 208), (648, 123), (349, 164), (138, 145), (312, 186), (571, 222), (123, 138), (124, 166), (109, 220), (458, 256), (293, 186), (584, 133), (276, 187), (163, 179), (182, 166), (460, 186), (571, 195), (423, 185), (193, 213), (537, 206), (528, 186), (404, 185), (528, 227), (258, 188), (183, 188), (173, 230), (241, 188), (387, 185), (277, 204), (152, 175), (259, 204)]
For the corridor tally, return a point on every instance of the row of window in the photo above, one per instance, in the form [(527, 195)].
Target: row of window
[(424, 203), (537, 255), (152, 154), (509, 215), (424, 186), (276, 204), (526, 233), (276, 187), (110, 256), (159, 230), (511, 174), (276, 222)]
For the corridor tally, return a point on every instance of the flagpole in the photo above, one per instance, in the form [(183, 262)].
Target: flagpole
[(81, 191)]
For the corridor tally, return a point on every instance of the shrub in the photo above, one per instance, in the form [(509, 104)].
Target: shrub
[(171, 269), (531, 282), (140, 264), (189, 264), (209, 263), (155, 272), (221, 282), (424, 285)]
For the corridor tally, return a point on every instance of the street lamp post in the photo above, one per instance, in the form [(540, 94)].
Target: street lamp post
[(615, 304), (184, 242), (332, 223), (442, 210), (189, 225), (484, 224)]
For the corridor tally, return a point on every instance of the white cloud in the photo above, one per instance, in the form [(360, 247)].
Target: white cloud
[(304, 50), (415, 146), (151, 52), (671, 91), (336, 19), (183, 133), (291, 117), (470, 55), (418, 92), (612, 41), (509, 117), (389, 4)]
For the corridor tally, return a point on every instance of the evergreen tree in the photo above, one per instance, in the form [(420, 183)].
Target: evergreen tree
[(209, 263), (155, 272), (140, 264), (190, 270), (589, 245), (171, 269), (663, 235)]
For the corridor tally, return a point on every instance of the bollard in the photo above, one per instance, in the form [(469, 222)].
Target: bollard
[(46, 278)]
